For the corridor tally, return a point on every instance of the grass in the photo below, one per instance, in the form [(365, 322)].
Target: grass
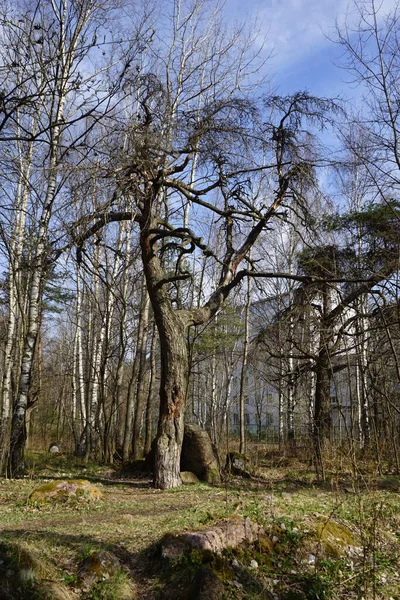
[(296, 563)]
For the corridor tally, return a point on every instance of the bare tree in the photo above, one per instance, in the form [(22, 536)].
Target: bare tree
[(218, 126), (67, 99), (372, 57)]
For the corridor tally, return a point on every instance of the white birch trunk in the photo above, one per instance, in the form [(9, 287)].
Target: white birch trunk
[(242, 441), (95, 409), (66, 57)]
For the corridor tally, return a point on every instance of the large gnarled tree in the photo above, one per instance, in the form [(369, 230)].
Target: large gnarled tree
[(200, 149)]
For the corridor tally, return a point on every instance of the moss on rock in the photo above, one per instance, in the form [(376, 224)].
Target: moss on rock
[(335, 537), (199, 455), (189, 478), (212, 475), (238, 464), (98, 566), (60, 491)]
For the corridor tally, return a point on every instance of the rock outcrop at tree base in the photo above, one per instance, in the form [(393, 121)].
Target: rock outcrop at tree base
[(189, 478), (198, 455)]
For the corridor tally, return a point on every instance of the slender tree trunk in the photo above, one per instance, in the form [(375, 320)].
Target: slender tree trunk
[(119, 397), (213, 403), (132, 388), (18, 424), (243, 372), (130, 407), (16, 300), (63, 68), (93, 409), (291, 384), (141, 391), (79, 377), (150, 396)]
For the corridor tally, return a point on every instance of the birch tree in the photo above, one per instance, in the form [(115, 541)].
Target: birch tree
[(55, 42)]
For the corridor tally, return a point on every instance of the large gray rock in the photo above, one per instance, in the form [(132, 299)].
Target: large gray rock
[(230, 532), (198, 455)]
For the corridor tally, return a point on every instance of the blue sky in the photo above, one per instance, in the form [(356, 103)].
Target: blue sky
[(298, 32)]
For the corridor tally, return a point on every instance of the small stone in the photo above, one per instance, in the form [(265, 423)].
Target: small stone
[(235, 564), (54, 448), (270, 499), (275, 539), (311, 559), (283, 526), (253, 564)]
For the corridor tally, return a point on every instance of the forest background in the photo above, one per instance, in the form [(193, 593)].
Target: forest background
[(180, 240)]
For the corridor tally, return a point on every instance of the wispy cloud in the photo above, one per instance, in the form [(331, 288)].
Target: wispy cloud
[(297, 29), (298, 34)]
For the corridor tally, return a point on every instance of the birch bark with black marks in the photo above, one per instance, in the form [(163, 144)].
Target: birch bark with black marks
[(141, 388)]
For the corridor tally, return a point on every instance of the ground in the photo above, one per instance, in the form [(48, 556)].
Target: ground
[(337, 539)]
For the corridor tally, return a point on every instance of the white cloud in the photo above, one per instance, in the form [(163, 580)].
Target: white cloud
[(295, 29)]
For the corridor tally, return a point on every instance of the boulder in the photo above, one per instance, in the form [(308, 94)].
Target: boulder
[(227, 533), (61, 491), (238, 464), (198, 455), (335, 537)]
